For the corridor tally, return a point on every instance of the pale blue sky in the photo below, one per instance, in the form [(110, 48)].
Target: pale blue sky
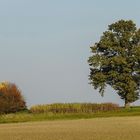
[(45, 44)]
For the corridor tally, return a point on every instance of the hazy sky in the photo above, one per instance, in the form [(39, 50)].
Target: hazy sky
[(45, 44)]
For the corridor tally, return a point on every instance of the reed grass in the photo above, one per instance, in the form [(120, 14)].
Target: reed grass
[(73, 108), (27, 116)]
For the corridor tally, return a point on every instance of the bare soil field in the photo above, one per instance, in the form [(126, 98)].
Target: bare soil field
[(113, 128)]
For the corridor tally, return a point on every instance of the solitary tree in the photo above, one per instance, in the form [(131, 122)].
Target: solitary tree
[(115, 61), (11, 99)]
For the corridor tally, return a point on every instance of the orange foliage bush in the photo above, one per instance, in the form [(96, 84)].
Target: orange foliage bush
[(11, 99)]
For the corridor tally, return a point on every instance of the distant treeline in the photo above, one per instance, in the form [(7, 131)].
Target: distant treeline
[(74, 108)]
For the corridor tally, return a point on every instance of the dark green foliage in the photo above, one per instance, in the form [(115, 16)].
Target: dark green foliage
[(73, 108), (115, 61)]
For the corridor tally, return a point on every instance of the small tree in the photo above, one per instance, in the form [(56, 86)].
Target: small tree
[(11, 99), (116, 61)]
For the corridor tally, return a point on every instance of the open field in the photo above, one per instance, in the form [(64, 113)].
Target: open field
[(113, 128)]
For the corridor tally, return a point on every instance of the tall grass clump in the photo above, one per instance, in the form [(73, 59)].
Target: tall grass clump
[(73, 108)]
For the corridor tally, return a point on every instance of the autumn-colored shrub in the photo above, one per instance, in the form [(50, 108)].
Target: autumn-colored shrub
[(74, 108), (11, 99)]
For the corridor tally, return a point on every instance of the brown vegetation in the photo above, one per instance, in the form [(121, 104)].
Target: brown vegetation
[(74, 108), (11, 99)]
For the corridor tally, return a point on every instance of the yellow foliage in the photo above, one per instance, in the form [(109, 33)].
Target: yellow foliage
[(3, 85)]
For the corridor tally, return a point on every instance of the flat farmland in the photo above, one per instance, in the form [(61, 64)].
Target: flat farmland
[(112, 128)]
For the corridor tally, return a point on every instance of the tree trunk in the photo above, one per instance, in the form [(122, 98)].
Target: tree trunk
[(127, 104)]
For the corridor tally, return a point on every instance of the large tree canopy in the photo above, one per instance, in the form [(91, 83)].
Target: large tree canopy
[(115, 61)]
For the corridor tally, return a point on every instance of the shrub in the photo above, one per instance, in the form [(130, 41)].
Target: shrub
[(73, 108), (11, 99)]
